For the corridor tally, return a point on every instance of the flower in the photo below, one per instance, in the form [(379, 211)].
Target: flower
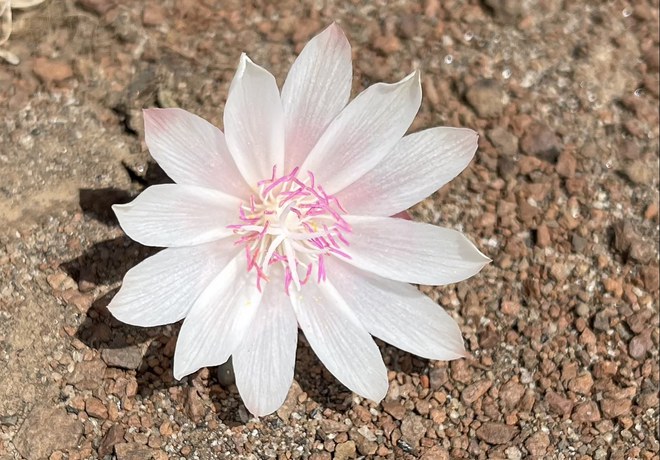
[(282, 222)]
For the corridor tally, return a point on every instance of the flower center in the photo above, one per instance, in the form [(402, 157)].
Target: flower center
[(291, 221)]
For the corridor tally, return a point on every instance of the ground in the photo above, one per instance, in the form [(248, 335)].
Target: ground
[(562, 195)]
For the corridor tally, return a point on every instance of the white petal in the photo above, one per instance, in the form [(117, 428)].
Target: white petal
[(178, 215), (364, 132), (192, 151), (264, 362), (254, 122), (219, 319), (162, 289), (411, 252), (418, 165), (340, 341), (398, 313), (315, 91)]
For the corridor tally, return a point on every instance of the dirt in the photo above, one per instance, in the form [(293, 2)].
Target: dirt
[(562, 195)]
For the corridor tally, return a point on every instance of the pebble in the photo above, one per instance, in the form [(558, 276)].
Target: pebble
[(504, 141), (153, 14), (511, 393), (639, 345), (639, 172), (395, 409), (436, 453), (537, 444), (194, 406), (473, 392), (125, 358), (114, 436), (51, 71), (566, 164), (487, 98), (586, 412), (95, 408), (133, 451), (36, 439), (496, 433), (541, 141), (345, 450), (558, 404), (87, 375), (613, 408), (543, 239), (581, 384), (412, 429)]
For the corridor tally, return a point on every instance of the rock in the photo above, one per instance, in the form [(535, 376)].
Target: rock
[(36, 439), (460, 371), (507, 168), (586, 412), (648, 399), (290, 403), (566, 164), (194, 406), (438, 377), (511, 393), (87, 375), (638, 172), (541, 141), (95, 408), (51, 71), (508, 11), (581, 384), (225, 373), (639, 345), (395, 409), (436, 453), (133, 451), (613, 408), (473, 392), (344, 450), (543, 239), (537, 444), (153, 14), (578, 243), (114, 436), (365, 441), (504, 141), (487, 98), (126, 358), (558, 404), (496, 433), (99, 7), (328, 426), (412, 429)]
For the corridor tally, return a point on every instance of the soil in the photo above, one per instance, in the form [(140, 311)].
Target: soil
[(562, 195)]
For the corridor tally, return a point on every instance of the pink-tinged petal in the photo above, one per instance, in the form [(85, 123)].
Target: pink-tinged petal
[(315, 91), (418, 165), (412, 252), (340, 340), (254, 122), (398, 313), (218, 320), (178, 215), (192, 151), (364, 132), (264, 362), (162, 289)]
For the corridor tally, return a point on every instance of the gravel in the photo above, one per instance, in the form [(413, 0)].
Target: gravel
[(562, 327)]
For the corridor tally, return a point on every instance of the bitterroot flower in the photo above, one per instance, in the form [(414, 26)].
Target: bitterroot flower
[(283, 222)]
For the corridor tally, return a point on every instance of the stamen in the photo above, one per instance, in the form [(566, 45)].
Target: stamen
[(292, 222)]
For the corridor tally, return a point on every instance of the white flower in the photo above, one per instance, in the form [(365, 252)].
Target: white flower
[(282, 222)]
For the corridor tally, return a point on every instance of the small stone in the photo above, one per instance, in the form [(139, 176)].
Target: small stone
[(412, 429), (460, 371), (504, 141), (587, 412), (99, 7), (126, 358), (558, 404), (225, 373), (329, 426), (511, 393), (473, 392), (507, 168), (648, 399), (566, 164), (537, 444), (639, 345), (345, 450), (49, 71), (133, 451), (87, 375), (496, 433), (639, 172), (436, 453), (543, 239), (114, 436), (95, 408), (395, 409), (438, 377), (194, 405), (541, 141), (506, 10), (581, 384), (36, 439), (487, 98), (613, 408), (290, 403), (153, 14), (366, 445), (578, 243)]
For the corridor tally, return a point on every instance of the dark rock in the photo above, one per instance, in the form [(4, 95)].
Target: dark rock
[(115, 435), (126, 358), (99, 7), (541, 141)]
